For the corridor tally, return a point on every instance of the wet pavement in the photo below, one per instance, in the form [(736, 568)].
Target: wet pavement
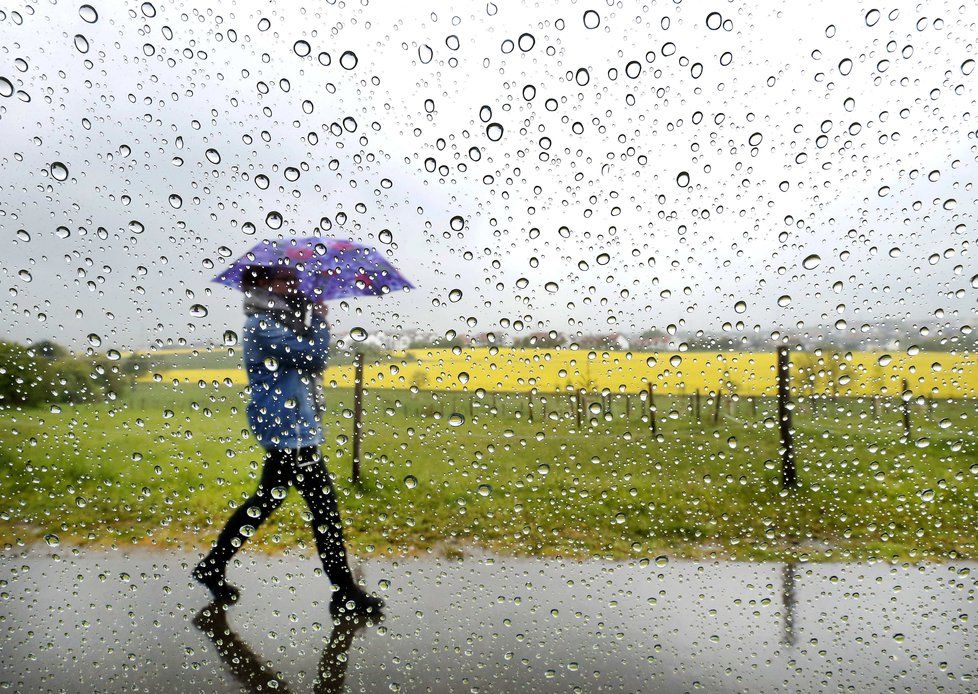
[(86, 620)]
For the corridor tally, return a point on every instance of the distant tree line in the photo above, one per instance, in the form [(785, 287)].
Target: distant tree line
[(47, 373)]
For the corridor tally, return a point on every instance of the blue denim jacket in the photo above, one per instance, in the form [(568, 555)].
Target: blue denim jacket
[(283, 369)]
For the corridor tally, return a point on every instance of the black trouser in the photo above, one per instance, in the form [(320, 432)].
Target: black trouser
[(304, 469)]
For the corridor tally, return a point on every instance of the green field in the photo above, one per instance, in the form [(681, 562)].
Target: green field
[(165, 465)]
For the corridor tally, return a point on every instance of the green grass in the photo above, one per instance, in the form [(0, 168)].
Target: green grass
[(165, 466)]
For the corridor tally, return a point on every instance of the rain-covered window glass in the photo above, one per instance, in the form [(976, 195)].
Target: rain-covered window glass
[(489, 346)]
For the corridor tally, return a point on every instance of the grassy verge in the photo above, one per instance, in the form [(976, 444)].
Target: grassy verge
[(166, 465)]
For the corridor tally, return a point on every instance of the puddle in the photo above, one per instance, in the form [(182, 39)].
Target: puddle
[(83, 620)]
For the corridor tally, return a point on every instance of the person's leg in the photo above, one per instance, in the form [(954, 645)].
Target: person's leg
[(312, 480), (244, 521)]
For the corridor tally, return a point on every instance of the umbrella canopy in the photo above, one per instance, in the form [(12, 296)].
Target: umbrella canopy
[(326, 268)]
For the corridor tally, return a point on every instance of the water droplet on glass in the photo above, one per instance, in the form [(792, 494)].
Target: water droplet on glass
[(176, 202), (348, 60), (94, 340), (274, 220), (59, 172), (213, 156), (6, 87), (682, 180), (81, 43), (302, 48), (410, 481), (455, 295), (358, 334), (811, 262), (592, 20), (198, 310), (457, 223), (88, 13), (494, 131), (484, 490), (425, 54), (51, 540), (456, 419)]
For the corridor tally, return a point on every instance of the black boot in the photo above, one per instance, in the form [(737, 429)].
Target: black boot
[(353, 601), (215, 581)]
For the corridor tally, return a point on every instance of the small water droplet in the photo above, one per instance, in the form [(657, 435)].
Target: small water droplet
[(410, 481)]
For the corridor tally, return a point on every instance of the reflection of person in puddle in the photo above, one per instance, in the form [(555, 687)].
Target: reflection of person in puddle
[(254, 675)]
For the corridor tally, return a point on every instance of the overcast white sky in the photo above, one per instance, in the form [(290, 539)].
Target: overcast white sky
[(867, 165)]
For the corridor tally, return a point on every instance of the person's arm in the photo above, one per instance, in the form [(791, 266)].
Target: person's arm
[(308, 352)]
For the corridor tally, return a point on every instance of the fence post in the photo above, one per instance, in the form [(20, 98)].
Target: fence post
[(628, 406), (529, 407), (716, 408), (652, 411), (357, 415), (905, 406), (789, 477), (696, 405), (578, 408)]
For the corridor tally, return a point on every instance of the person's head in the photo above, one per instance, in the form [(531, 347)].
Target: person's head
[(280, 280)]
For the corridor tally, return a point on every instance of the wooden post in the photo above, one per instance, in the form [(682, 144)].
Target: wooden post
[(628, 406), (716, 408), (578, 408), (905, 406), (529, 406), (652, 411), (357, 415), (789, 477), (697, 406)]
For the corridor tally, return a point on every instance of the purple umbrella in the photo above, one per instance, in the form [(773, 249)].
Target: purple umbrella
[(326, 268)]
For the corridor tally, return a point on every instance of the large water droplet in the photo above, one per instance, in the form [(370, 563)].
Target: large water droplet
[(59, 172), (88, 13), (274, 220)]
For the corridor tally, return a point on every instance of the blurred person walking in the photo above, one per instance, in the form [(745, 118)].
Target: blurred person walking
[(285, 344)]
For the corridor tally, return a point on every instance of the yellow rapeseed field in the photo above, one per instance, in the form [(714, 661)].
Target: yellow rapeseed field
[(933, 374)]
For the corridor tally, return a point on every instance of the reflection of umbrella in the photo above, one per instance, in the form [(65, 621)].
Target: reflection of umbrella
[(326, 268)]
